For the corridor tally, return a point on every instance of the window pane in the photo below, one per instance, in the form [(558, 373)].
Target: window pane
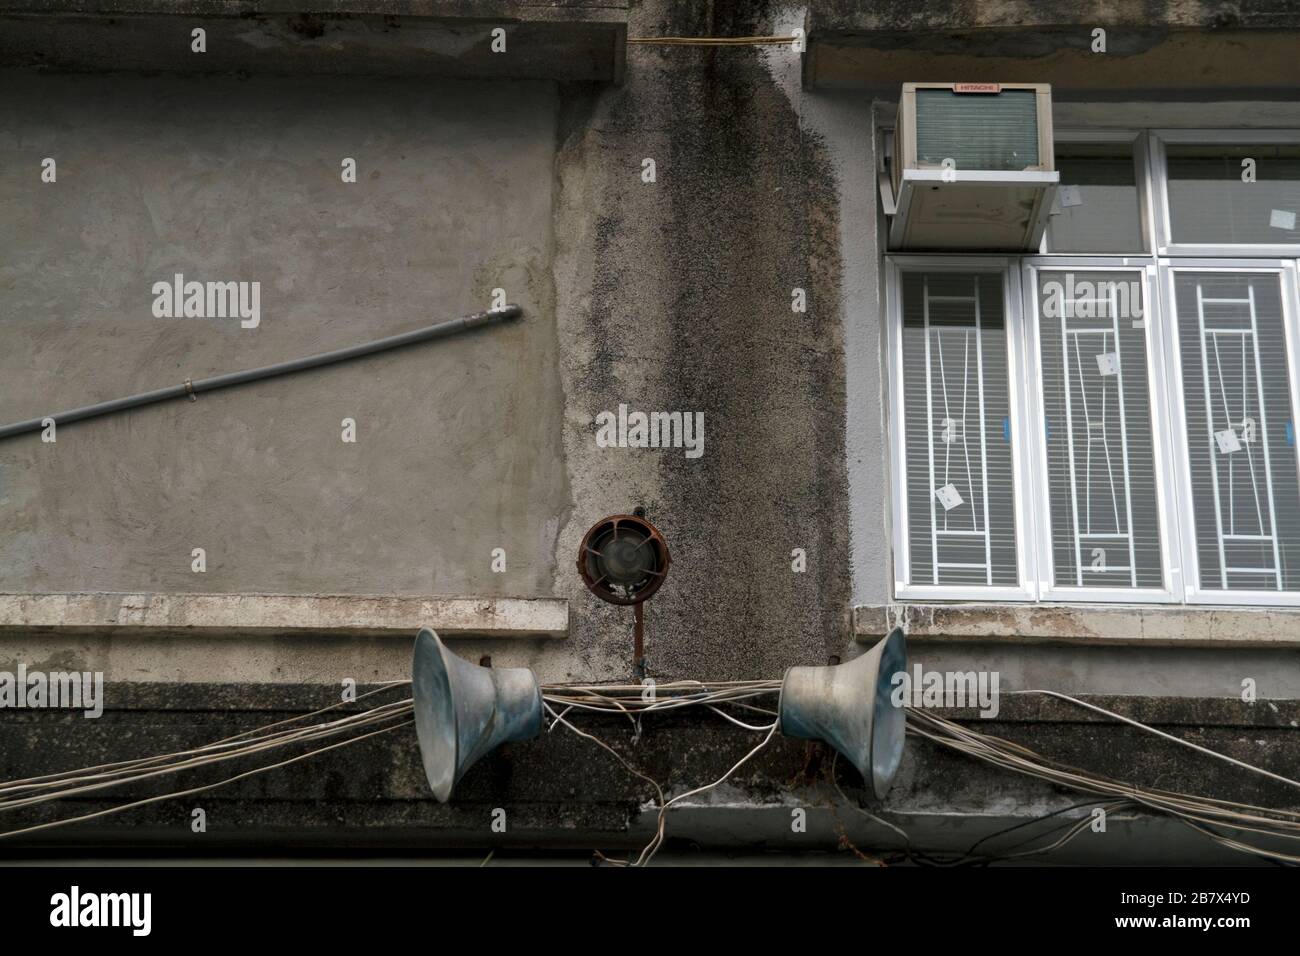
[(1100, 445), (1208, 202), (1096, 208), (960, 494), (977, 131), (1240, 432)]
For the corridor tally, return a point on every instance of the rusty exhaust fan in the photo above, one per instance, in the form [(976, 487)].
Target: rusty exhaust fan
[(464, 711), (624, 559)]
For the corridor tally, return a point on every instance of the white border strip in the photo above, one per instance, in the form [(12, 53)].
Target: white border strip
[(1154, 625), (288, 614)]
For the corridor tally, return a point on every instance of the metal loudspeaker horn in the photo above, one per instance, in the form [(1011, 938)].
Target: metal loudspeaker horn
[(463, 711), (849, 706)]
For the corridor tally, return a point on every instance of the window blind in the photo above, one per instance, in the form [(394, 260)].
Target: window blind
[(1096, 208), (1240, 432), (1210, 203), (960, 489), (1101, 472)]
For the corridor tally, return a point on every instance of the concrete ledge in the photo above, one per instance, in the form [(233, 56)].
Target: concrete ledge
[(1218, 49), (561, 791), (1132, 625), (566, 40), (288, 614), (853, 16)]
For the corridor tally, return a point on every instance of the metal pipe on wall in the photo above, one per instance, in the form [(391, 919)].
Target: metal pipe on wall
[(441, 330)]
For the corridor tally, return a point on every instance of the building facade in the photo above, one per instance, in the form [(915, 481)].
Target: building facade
[(1071, 465)]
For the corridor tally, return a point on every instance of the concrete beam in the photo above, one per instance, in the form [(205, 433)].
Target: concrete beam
[(853, 16), (567, 40), (561, 791), (1217, 50), (215, 615), (1090, 625)]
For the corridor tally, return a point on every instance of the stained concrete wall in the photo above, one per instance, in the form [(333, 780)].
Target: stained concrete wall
[(677, 295)]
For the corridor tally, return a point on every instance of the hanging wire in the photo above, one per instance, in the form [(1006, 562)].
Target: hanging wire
[(713, 41)]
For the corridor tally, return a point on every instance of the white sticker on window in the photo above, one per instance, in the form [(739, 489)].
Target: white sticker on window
[(1281, 219), (951, 431), (1227, 440), (949, 497), (1070, 196), (1108, 363)]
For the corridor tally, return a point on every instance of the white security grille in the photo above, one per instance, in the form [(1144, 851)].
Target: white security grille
[(1101, 472), (961, 404), (958, 426), (1237, 433), (1239, 429)]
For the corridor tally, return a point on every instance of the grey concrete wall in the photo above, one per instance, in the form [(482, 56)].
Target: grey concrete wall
[(845, 124), (458, 447)]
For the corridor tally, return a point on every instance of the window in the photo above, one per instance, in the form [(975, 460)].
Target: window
[(956, 383), (1098, 430), (1234, 194), (1228, 194), (1114, 418), (1097, 207), (1238, 427)]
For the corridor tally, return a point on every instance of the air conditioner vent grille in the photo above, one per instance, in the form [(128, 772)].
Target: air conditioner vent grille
[(990, 132)]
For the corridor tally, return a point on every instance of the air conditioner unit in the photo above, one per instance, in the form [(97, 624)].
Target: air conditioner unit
[(972, 167)]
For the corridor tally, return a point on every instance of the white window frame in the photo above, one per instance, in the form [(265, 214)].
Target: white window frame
[(1159, 177), (1140, 143), (1285, 269), (1006, 267), (1167, 517), (1158, 267)]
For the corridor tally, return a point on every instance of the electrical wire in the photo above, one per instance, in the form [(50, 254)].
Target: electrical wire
[(1197, 812), (1160, 733), (653, 847), (25, 793), (161, 758), (633, 701), (193, 790), (970, 853), (713, 41), (626, 698), (89, 783)]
